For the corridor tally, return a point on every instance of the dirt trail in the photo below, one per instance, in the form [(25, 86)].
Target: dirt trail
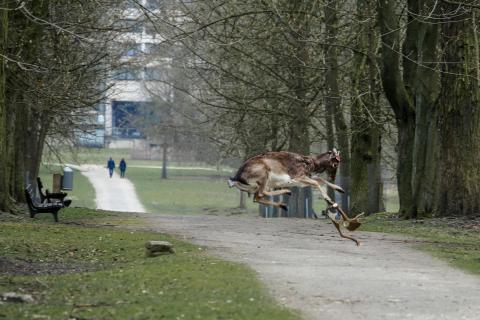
[(307, 266), (114, 193)]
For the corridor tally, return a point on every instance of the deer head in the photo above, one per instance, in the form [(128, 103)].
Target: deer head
[(329, 162)]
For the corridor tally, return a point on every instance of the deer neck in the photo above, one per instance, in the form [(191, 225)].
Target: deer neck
[(310, 165)]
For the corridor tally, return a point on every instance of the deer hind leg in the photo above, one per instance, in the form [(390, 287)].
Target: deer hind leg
[(277, 192), (262, 192), (261, 200)]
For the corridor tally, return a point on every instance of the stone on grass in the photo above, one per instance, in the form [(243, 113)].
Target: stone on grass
[(156, 248), (16, 297)]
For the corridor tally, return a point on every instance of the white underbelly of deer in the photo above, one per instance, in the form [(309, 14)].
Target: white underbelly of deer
[(283, 181)]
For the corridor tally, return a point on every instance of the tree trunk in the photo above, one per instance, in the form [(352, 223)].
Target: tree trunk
[(459, 117), (26, 132), (4, 194), (406, 134), (422, 81), (19, 131), (367, 186), (333, 99), (299, 138), (396, 93), (330, 138)]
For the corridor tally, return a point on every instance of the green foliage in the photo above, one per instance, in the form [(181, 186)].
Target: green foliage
[(103, 273), (450, 239)]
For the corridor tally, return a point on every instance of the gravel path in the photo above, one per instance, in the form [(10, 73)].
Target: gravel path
[(308, 267), (114, 193)]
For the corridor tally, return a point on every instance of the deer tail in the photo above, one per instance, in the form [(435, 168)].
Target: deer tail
[(231, 182), (234, 180)]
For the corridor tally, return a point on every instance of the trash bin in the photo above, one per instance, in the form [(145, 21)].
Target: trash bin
[(67, 179)]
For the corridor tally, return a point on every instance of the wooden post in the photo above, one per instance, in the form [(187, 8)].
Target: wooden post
[(299, 206), (276, 212), (263, 210), (243, 201), (164, 160), (308, 203), (57, 182)]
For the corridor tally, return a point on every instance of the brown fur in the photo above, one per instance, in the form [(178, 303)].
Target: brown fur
[(257, 175), (294, 164)]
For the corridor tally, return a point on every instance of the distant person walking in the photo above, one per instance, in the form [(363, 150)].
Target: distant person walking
[(110, 166), (123, 168)]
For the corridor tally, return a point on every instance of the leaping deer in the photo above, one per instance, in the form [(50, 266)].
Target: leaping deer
[(271, 173)]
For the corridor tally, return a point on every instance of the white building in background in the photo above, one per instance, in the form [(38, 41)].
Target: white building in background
[(128, 94)]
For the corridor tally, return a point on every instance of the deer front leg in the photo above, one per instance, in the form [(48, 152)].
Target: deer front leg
[(314, 183), (331, 185), (351, 224), (337, 225)]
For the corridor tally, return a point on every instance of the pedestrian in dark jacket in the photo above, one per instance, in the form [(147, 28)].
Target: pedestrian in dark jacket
[(110, 166), (123, 168)]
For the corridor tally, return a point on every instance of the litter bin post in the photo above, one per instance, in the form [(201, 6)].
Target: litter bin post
[(57, 182), (67, 179)]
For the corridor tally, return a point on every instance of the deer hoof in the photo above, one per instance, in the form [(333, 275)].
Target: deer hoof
[(284, 207), (340, 190), (289, 193)]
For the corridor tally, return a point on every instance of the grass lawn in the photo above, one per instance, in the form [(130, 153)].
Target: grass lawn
[(87, 155), (454, 240), (185, 192), (100, 156), (75, 271), (82, 195)]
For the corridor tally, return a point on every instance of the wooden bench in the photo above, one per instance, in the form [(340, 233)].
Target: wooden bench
[(35, 208), (52, 197)]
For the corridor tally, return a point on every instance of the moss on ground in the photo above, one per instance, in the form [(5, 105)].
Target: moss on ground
[(103, 273), (455, 240)]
